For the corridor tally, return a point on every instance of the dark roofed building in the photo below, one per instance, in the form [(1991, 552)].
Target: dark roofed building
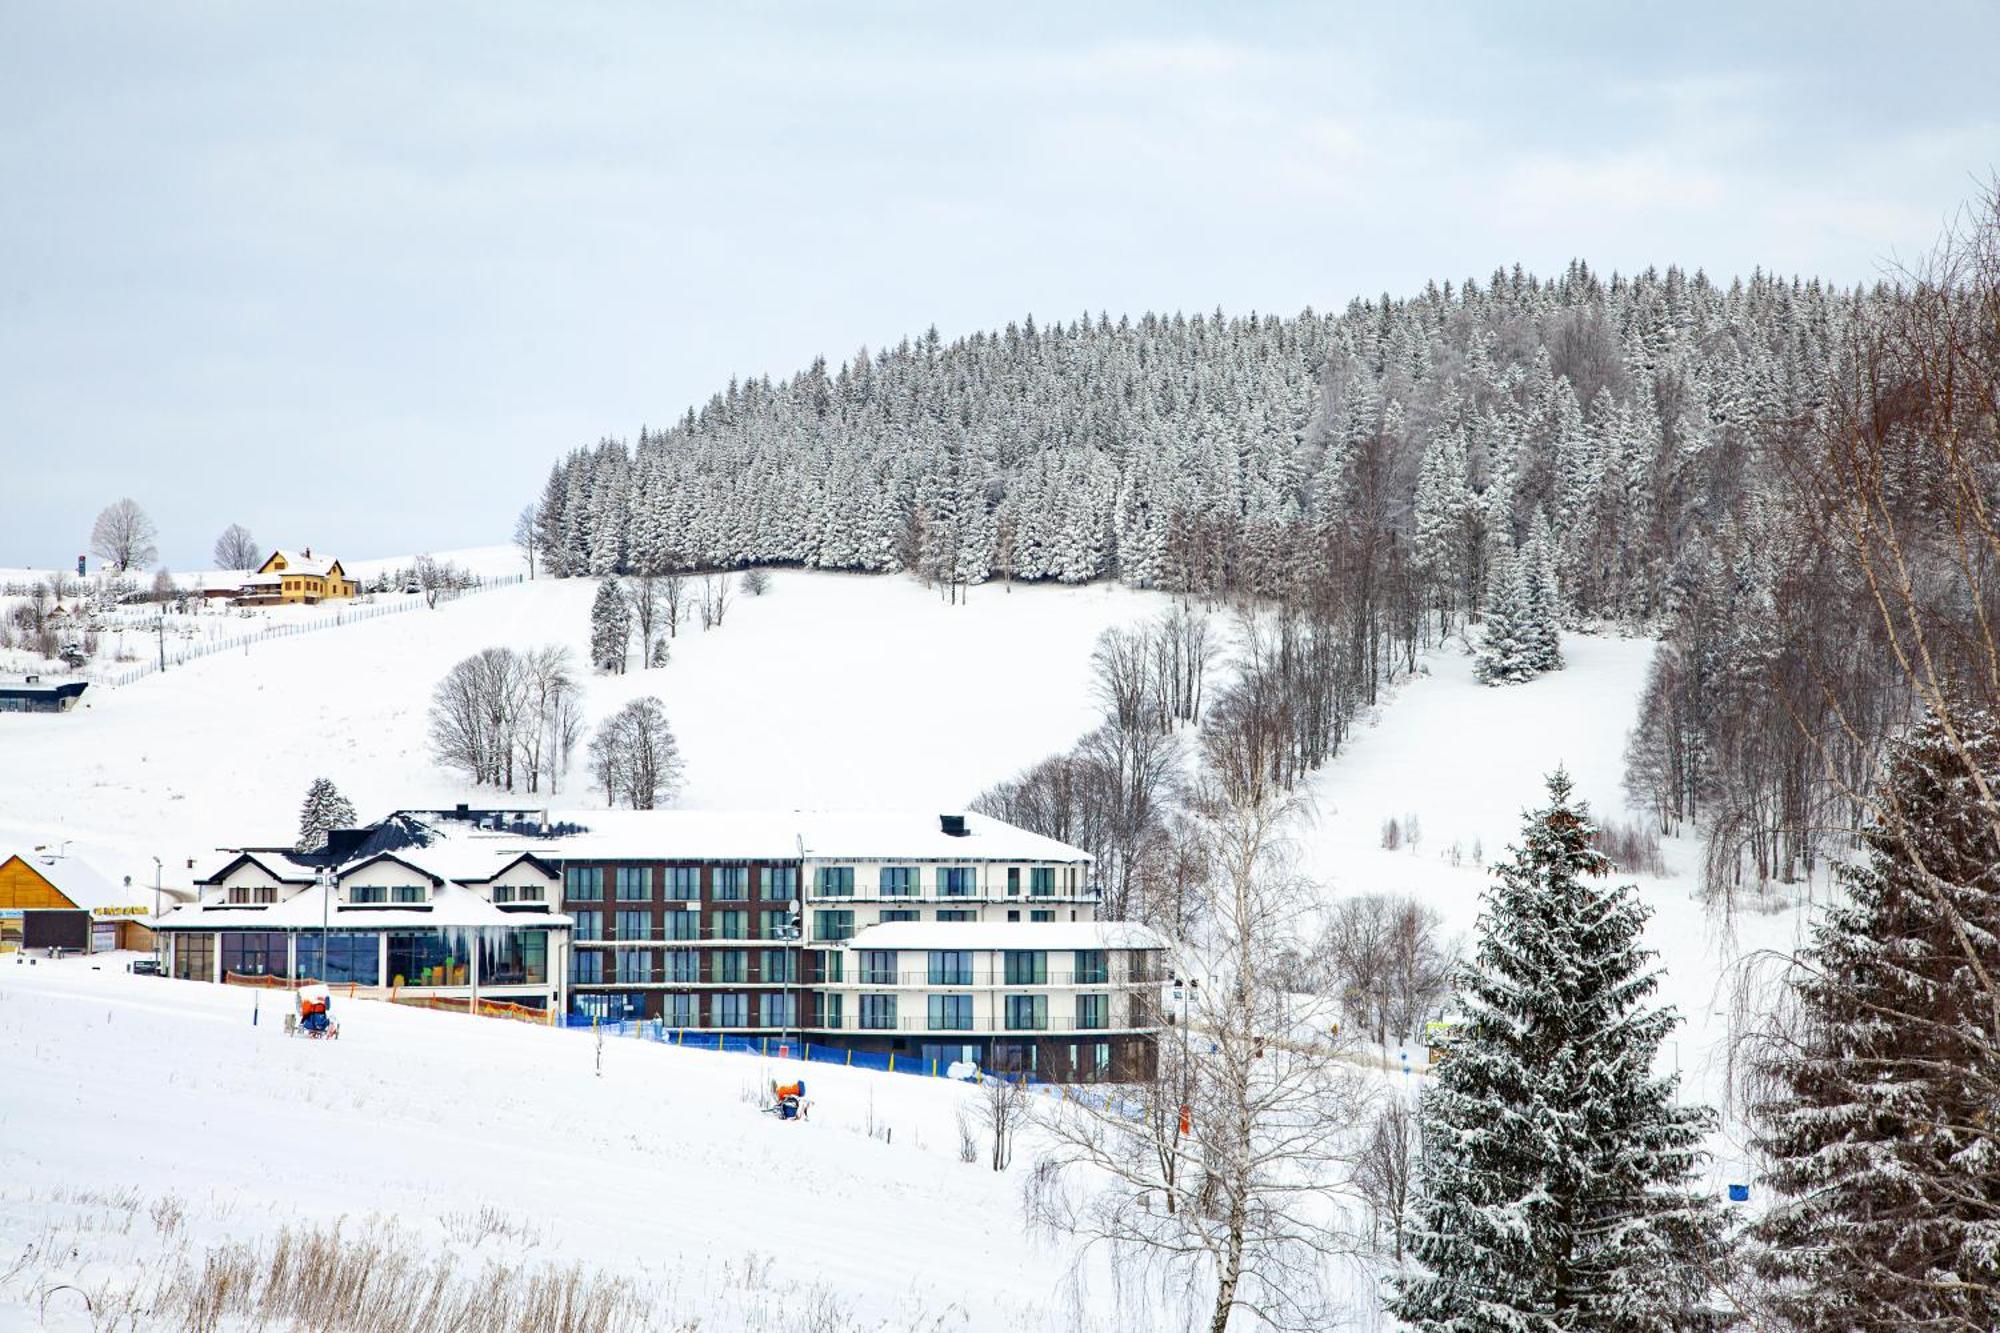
[(35, 695)]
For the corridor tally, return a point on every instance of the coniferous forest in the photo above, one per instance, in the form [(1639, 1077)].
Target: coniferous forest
[(1655, 454)]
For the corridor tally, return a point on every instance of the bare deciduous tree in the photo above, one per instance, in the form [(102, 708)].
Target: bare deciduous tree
[(1228, 1178), (1003, 1105), (1386, 1171), (124, 535), (527, 526), (646, 595), (236, 549), (635, 757)]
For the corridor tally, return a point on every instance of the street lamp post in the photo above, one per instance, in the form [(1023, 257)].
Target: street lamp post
[(159, 958)]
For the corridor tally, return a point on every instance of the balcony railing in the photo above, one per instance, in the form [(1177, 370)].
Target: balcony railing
[(922, 1023), (987, 977)]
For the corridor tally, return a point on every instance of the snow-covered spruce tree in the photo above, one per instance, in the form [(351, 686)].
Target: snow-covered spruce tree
[(1555, 1186), (1506, 644), (1885, 1082), (610, 628), (325, 809), (1541, 600)]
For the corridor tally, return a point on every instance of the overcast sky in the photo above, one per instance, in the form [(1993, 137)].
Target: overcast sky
[(354, 275)]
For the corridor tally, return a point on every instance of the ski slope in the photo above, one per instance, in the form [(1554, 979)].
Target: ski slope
[(1469, 760), (119, 1092)]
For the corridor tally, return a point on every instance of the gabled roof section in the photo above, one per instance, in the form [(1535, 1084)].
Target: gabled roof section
[(298, 563), (79, 882), (352, 866), (270, 863)]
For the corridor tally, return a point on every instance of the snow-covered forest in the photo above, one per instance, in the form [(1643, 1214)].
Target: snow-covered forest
[(1587, 452)]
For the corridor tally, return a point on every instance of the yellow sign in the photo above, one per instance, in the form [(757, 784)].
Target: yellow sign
[(102, 912)]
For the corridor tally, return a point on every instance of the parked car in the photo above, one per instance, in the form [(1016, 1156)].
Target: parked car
[(147, 967)]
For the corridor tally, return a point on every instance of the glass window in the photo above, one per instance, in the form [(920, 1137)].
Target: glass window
[(350, 957), (1091, 969), (780, 883), (513, 957), (835, 882), (1014, 881), (899, 881), (951, 1013), (729, 965), (729, 884), (682, 966), (951, 967), (635, 965), (1092, 1011), (424, 958), (878, 1012), (1027, 967), (683, 883), (831, 1010), (774, 925), (586, 967), (681, 925), (890, 914), (583, 884), (254, 953), (833, 926), (635, 884), (779, 965), (729, 1010), (589, 925), (682, 1011), (1027, 1013), (832, 966), (408, 893), (957, 914), (634, 926), (778, 1009), (957, 881), (368, 893), (1044, 915), (194, 956), (1042, 881), (878, 967), (731, 925), (503, 893)]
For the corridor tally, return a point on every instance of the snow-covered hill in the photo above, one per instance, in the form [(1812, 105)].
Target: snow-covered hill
[(832, 689)]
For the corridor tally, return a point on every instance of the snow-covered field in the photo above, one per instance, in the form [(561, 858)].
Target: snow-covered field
[(145, 1121)]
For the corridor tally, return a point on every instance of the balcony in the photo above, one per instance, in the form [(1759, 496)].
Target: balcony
[(922, 1023), (987, 977)]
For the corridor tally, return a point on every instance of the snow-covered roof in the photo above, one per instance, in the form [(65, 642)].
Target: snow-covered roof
[(832, 835), (450, 907), (297, 562), (82, 884), (977, 935)]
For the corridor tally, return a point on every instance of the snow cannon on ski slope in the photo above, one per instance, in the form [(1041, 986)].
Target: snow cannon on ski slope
[(314, 1017), (788, 1101)]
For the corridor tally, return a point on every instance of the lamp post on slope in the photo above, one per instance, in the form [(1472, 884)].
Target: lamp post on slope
[(159, 955)]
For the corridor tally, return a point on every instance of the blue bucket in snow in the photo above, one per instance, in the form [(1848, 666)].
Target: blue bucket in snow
[(1739, 1194)]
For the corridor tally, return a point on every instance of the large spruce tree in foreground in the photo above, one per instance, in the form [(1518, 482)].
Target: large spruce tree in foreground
[(1886, 1081), (1556, 1181)]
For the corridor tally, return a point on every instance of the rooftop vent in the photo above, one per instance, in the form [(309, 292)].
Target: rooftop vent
[(953, 825)]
